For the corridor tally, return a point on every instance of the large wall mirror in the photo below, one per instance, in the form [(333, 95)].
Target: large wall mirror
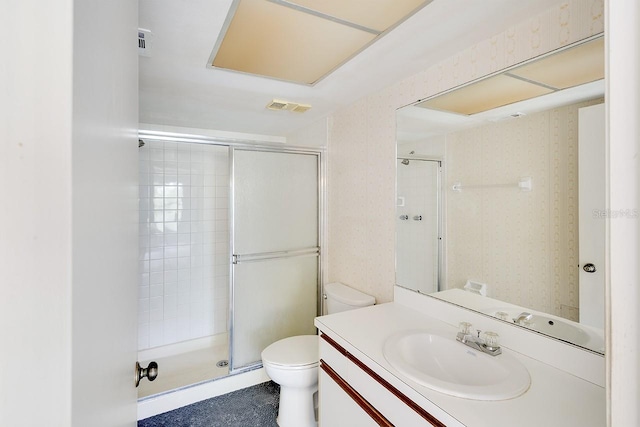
[(501, 195)]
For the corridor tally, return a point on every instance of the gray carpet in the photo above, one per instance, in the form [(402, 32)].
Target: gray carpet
[(255, 406)]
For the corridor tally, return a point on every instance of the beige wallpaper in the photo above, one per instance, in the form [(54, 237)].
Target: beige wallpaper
[(361, 147), (523, 245)]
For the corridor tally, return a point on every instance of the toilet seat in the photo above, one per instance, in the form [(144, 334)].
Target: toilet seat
[(299, 352)]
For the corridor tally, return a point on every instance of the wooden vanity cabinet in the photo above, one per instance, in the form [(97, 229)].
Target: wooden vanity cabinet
[(353, 395)]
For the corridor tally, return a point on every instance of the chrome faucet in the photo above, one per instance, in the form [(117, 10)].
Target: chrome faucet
[(524, 316), (487, 345)]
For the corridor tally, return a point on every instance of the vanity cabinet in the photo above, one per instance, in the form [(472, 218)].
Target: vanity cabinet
[(352, 395)]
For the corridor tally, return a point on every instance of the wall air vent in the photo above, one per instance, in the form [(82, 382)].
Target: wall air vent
[(145, 40)]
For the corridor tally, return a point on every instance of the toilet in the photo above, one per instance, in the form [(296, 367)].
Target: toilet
[(293, 362)]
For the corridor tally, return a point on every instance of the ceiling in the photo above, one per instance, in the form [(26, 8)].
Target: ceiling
[(177, 89)]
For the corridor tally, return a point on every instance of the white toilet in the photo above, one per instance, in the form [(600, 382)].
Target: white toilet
[(293, 362)]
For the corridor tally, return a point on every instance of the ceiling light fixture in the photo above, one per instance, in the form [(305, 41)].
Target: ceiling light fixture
[(302, 41), (567, 68)]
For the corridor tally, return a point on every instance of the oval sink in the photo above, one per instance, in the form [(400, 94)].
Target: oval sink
[(443, 364)]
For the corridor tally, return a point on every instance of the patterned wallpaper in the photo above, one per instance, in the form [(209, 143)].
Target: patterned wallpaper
[(523, 245), (361, 141)]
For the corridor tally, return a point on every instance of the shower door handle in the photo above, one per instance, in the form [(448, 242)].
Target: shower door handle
[(151, 372)]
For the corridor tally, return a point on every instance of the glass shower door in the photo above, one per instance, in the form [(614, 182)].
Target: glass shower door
[(275, 250), (418, 225)]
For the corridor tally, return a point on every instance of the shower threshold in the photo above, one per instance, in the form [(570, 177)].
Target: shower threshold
[(183, 369)]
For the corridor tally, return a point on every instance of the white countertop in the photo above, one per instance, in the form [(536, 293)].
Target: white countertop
[(555, 397)]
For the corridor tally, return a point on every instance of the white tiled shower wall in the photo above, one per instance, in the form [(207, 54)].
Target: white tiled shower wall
[(184, 242)]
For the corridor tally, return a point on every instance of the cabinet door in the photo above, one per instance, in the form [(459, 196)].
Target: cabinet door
[(337, 408)]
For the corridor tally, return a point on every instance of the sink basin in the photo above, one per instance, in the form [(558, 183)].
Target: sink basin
[(443, 364)]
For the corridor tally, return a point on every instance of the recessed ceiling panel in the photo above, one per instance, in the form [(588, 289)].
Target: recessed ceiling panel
[(375, 14), (485, 95), (272, 40), (569, 68)]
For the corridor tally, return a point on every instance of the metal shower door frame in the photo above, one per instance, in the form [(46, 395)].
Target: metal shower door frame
[(234, 259), (440, 209)]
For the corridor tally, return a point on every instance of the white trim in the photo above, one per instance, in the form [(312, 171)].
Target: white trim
[(623, 231), (212, 133), (182, 347)]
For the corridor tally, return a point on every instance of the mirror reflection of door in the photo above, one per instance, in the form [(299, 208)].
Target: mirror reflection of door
[(591, 170), (418, 224)]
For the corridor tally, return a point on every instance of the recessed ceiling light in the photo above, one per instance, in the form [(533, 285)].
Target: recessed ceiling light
[(303, 40), (565, 69)]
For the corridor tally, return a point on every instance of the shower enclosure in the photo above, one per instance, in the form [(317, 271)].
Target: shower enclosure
[(418, 224), (229, 255)]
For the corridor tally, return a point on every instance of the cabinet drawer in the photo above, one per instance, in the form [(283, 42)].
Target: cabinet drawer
[(397, 408), (333, 357), (342, 406)]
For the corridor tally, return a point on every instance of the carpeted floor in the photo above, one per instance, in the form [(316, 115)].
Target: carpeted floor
[(255, 406)]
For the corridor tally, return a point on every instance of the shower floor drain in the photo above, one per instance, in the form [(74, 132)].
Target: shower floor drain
[(222, 363)]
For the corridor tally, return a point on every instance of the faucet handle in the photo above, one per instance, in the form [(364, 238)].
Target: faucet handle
[(465, 328), (502, 315), (491, 340)]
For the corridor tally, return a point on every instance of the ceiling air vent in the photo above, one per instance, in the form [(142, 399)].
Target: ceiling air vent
[(145, 40), (301, 108), (277, 104)]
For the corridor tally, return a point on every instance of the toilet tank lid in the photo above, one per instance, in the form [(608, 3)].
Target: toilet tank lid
[(347, 295)]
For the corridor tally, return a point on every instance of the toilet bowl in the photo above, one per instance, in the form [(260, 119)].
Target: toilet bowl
[(293, 362)]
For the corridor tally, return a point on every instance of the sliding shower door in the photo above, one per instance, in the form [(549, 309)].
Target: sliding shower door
[(275, 206), (418, 244)]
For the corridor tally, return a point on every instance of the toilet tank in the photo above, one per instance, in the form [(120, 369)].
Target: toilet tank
[(340, 297)]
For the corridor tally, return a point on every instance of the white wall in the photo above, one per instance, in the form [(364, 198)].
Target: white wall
[(432, 147), (68, 165), (35, 221), (314, 135), (623, 287), (104, 216)]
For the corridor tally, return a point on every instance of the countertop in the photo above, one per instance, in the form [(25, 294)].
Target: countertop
[(555, 398)]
